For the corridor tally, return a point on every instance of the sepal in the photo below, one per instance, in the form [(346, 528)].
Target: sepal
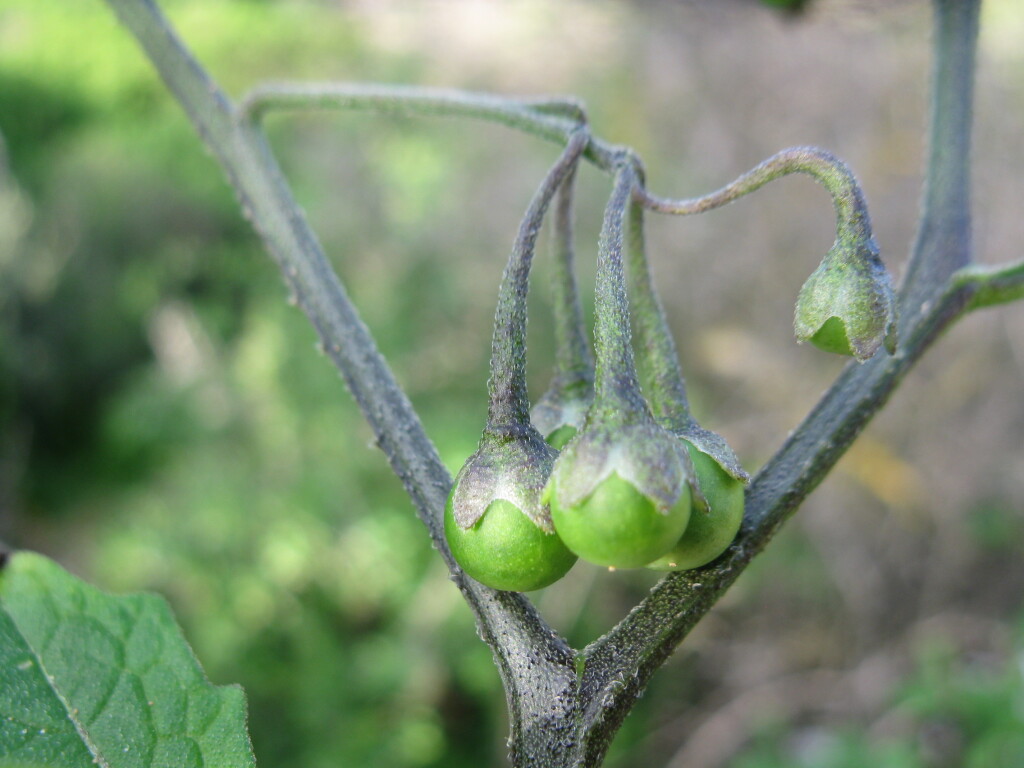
[(512, 465), (639, 451)]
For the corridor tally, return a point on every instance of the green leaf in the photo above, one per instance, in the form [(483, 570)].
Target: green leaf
[(92, 679)]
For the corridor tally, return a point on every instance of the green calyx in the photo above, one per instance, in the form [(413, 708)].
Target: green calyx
[(505, 550), (512, 465), (847, 305), (714, 521)]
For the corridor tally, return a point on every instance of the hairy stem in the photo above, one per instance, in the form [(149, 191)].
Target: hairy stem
[(573, 363), (619, 664), (667, 388), (822, 166), (559, 718), (615, 381), (992, 285), (508, 402), (943, 243), (549, 118)]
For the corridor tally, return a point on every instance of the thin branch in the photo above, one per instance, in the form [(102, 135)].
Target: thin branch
[(573, 361), (943, 242), (560, 411), (992, 285), (550, 118), (508, 403), (537, 666), (824, 167), (666, 386)]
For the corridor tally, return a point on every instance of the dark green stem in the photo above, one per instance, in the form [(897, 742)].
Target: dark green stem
[(616, 386), (553, 119), (509, 404), (574, 366), (992, 285), (943, 243), (666, 388)]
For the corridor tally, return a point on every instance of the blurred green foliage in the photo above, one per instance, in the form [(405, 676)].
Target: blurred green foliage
[(952, 712), (166, 423)]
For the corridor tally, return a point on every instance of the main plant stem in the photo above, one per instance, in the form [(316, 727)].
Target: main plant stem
[(561, 719), (943, 243)]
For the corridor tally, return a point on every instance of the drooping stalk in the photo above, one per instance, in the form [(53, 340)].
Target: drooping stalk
[(664, 384), (616, 386), (618, 491), (824, 167), (847, 305), (560, 411), (666, 390), (509, 405), (574, 365)]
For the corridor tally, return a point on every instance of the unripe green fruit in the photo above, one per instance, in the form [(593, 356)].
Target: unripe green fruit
[(711, 529), (619, 526), (831, 337), (561, 436), (506, 550)]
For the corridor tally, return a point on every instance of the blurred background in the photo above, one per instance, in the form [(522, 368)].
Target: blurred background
[(166, 423)]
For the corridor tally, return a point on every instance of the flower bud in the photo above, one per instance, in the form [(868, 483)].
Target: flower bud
[(498, 528), (619, 494), (847, 304)]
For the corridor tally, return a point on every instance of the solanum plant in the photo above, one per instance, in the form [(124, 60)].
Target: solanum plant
[(610, 465)]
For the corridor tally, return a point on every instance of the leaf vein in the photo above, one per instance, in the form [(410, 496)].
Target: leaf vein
[(93, 748)]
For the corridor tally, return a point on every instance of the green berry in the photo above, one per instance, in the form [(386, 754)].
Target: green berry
[(558, 438), (504, 549), (711, 528), (831, 337), (618, 526)]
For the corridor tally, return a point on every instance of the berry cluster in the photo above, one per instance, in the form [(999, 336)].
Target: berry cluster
[(605, 468)]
